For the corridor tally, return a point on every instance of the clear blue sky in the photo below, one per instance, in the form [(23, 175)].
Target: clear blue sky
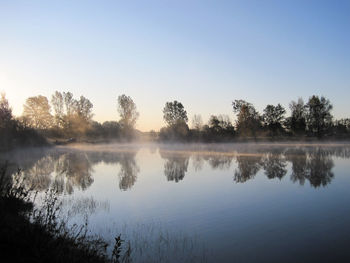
[(202, 53)]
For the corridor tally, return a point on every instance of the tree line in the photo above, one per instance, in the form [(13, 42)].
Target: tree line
[(64, 116), (306, 120)]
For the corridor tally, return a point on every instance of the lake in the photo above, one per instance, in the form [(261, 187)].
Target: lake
[(204, 202)]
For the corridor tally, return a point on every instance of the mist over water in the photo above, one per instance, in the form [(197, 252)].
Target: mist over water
[(203, 202)]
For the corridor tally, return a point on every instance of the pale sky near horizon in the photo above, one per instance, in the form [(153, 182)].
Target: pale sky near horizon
[(202, 53)]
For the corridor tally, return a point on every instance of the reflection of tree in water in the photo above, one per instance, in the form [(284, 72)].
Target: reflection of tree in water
[(83, 206), (314, 166), (247, 167), (65, 171), (320, 170), (60, 170), (220, 161), (128, 170), (73, 170), (175, 166), (274, 165), (39, 175), (197, 162), (299, 169)]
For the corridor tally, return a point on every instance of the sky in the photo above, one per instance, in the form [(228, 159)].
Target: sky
[(204, 54)]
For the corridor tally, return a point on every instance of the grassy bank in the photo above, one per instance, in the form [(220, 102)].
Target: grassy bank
[(30, 234)]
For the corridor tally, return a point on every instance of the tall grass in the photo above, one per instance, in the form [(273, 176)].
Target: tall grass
[(37, 234)]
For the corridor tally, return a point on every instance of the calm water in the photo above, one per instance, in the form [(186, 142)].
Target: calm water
[(214, 203)]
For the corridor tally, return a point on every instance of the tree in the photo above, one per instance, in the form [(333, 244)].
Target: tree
[(5, 112), (80, 118), (36, 110), (248, 119), (214, 123), (197, 122), (220, 123), (69, 103), (111, 129), (342, 127), (128, 114), (175, 116), (83, 108), (58, 107), (73, 116), (297, 122), (64, 107), (174, 113), (219, 128), (318, 115), (273, 118)]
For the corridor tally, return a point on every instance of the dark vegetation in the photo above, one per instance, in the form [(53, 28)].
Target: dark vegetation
[(30, 234), (12, 131), (68, 119)]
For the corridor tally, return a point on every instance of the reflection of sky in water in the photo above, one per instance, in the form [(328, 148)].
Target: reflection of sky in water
[(278, 204)]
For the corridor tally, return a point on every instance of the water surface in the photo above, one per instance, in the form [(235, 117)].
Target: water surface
[(214, 203)]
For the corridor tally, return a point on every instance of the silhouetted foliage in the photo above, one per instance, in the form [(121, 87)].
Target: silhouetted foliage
[(219, 128), (5, 112), (13, 133), (274, 119), (178, 131), (38, 234), (297, 121), (174, 113), (318, 117), (248, 119), (72, 121), (175, 116), (341, 128)]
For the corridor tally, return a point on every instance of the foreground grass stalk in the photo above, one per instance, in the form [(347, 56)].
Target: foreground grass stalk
[(31, 234)]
